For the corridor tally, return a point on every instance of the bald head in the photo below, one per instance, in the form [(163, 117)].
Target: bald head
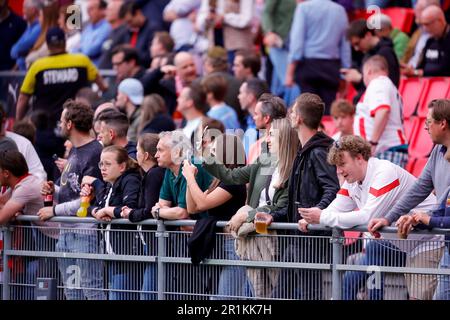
[(186, 70), (181, 57), (433, 21), (421, 5), (102, 107)]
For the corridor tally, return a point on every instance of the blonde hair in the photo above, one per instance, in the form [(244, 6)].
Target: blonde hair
[(122, 156), (288, 144)]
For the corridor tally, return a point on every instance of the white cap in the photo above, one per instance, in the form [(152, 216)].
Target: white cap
[(133, 89)]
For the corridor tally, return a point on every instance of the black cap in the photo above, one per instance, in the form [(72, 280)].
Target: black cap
[(55, 36)]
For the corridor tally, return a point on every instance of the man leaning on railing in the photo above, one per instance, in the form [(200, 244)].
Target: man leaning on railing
[(371, 187), (435, 175)]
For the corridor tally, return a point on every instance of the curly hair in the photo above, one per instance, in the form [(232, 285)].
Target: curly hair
[(80, 114), (354, 145)]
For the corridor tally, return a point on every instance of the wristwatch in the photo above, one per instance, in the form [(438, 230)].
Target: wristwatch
[(156, 215)]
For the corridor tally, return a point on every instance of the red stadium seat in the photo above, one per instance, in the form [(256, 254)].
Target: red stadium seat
[(351, 237), (408, 124), (359, 14), (435, 88), (402, 18), (446, 5), (410, 165), (419, 164), (420, 144), (328, 123), (411, 90), (351, 92)]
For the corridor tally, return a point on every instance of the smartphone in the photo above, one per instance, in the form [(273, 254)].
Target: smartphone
[(189, 156)]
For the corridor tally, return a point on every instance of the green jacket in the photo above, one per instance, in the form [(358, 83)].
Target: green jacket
[(277, 17), (255, 175), (400, 40)]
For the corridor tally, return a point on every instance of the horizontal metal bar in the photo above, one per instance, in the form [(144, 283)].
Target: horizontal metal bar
[(346, 267), (253, 264), (273, 226), (71, 255)]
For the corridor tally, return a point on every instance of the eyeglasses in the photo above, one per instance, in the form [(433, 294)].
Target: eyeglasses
[(426, 24), (102, 164), (428, 122), (115, 64)]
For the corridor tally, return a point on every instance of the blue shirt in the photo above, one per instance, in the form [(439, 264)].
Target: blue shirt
[(226, 115), (20, 50), (319, 31), (92, 39)]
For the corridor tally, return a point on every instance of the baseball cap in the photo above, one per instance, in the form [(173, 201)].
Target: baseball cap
[(55, 36), (133, 89)]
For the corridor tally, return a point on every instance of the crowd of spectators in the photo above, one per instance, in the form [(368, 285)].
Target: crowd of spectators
[(214, 113)]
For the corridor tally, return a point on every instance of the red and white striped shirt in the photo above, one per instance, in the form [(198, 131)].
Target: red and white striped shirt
[(383, 186), (380, 94)]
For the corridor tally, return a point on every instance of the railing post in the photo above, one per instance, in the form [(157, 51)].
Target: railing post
[(6, 273), (161, 235), (336, 282)]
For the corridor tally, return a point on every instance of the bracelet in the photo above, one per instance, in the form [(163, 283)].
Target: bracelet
[(373, 143), (54, 211)]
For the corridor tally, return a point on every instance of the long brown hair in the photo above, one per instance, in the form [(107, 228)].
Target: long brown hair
[(288, 144), (150, 107), (148, 143), (51, 15)]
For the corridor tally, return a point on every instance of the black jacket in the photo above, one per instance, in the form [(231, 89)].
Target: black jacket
[(118, 36), (154, 82), (161, 122), (149, 194), (125, 192), (313, 182)]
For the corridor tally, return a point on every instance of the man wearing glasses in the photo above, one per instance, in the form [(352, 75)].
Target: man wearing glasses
[(435, 56), (435, 175)]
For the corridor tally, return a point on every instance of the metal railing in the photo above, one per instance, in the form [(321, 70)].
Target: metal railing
[(155, 263)]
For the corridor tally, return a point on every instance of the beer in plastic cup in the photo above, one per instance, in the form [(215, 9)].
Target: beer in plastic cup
[(261, 225)]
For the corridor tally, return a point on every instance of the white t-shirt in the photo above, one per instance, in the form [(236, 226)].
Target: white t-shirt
[(385, 183), (191, 126), (262, 197), (336, 136), (25, 147), (380, 94)]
